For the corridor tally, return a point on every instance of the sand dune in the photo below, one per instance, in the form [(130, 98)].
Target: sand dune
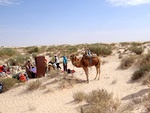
[(54, 100)]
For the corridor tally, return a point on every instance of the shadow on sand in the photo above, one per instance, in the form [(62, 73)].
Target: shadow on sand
[(137, 94)]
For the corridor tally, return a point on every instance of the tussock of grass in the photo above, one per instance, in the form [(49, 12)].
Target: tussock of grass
[(79, 96), (137, 50), (141, 72), (144, 67), (8, 83), (101, 50), (145, 59), (98, 101), (127, 62), (53, 74), (7, 52), (34, 85)]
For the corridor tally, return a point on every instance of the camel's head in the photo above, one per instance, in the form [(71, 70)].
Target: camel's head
[(74, 58)]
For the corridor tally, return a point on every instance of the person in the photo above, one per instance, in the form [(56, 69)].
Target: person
[(57, 62), (2, 70), (65, 63), (88, 53), (52, 64), (33, 72), (28, 67)]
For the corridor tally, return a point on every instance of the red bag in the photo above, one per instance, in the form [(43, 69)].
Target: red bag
[(22, 78)]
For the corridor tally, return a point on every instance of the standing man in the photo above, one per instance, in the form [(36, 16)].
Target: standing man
[(65, 63)]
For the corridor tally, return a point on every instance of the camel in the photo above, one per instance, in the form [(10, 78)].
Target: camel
[(85, 62)]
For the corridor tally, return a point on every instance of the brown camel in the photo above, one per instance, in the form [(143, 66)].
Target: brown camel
[(85, 62)]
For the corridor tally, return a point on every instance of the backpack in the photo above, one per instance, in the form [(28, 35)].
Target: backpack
[(22, 78)]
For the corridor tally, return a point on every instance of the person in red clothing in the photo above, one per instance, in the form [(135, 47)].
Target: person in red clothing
[(2, 70)]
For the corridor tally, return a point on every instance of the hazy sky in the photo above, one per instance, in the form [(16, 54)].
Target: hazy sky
[(48, 22)]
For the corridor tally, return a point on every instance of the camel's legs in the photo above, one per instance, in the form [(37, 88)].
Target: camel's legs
[(99, 71), (86, 72), (96, 73)]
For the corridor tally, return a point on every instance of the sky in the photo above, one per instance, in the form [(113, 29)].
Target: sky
[(57, 22)]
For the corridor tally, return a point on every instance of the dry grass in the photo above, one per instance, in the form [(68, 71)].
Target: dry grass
[(79, 96), (141, 72), (144, 67), (100, 101), (53, 74), (8, 83), (68, 82), (127, 62), (34, 85)]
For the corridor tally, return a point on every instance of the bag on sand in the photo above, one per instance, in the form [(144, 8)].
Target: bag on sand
[(1, 87), (22, 78)]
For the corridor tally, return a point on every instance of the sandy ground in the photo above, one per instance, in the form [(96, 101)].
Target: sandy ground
[(51, 100)]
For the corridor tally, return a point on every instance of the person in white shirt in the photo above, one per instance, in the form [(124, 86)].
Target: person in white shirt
[(57, 62)]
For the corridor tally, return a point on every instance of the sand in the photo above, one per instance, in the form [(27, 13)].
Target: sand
[(54, 100)]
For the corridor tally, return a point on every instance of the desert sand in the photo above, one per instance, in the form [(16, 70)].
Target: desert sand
[(54, 100)]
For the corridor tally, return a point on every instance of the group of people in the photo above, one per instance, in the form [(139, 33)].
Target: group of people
[(31, 68), (56, 63)]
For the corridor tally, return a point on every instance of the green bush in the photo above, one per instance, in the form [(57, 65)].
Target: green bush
[(145, 59), (71, 49), (8, 83), (136, 49), (33, 49), (101, 50), (127, 62), (136, 44), (125, 43), (141, 72), (7, 52), (18, 60), (100, 101)]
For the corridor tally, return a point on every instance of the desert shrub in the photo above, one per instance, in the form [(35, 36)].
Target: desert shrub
[(146, 79), (8, 83), (125, 43), (42, 49), (17, 60), (53, 74), (101, 50), (50, 48), (136, 49), (145, 59), (33, 49), (100, 101), (141, 72), (136, 43), (79, 96), (72, 49), (127, 62), (7, 52), (97, 96), (34, 85), (34, 55)]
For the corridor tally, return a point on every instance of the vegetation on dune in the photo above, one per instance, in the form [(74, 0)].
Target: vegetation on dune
[(144, 67), (127, 62), (8, 83), (100, 49), (7, 52), (98, 101)]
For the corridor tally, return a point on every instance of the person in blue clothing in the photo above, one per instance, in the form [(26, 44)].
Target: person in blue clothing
[(65, 63)]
